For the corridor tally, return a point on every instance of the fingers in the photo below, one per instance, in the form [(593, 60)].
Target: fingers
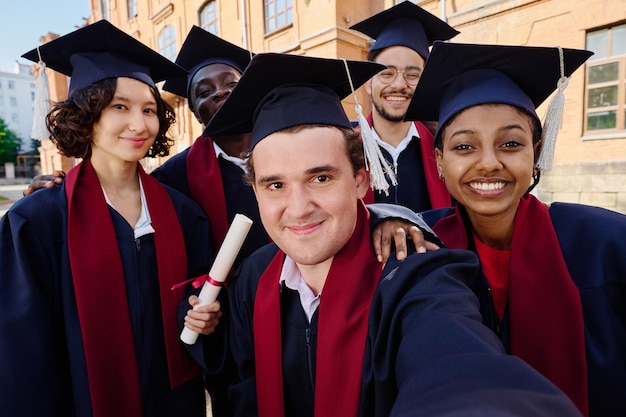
[(399, 239), (44, 181), (376, 238), (203, 319)]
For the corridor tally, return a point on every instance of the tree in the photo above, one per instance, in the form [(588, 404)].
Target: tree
[(10, 143)]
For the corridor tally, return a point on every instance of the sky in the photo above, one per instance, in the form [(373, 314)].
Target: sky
[(25, 21)]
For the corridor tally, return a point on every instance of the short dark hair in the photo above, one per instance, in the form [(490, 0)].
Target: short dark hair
[(354, 148), (71, 121)]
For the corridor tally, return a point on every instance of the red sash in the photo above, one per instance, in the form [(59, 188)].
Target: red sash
[(205, 183), (101, 297), (437, 190), (342, 329), (545, 311)]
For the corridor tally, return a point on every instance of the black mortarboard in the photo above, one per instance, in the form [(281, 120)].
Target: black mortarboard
[(200, 49), (405, 24), (458, 76), (99, 51), (277, 91)]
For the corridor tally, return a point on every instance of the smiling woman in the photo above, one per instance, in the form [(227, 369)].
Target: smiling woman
[(98, 256), (556, 303)]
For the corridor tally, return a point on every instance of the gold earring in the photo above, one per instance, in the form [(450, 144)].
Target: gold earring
[(441, 176)]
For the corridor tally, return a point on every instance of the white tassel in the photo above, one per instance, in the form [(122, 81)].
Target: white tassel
[(375, 162), (553, 121), (41, 104)]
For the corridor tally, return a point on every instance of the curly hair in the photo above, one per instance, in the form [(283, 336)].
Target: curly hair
[(354, 148), (71, 121)]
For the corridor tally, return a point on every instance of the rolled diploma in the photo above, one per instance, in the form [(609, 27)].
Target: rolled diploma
[(224, 260)]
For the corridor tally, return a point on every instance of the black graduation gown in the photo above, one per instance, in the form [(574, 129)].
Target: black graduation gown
[(427, 351), (43, 371), (593, 243)]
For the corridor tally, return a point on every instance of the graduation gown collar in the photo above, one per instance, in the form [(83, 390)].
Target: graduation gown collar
[(205, 184)]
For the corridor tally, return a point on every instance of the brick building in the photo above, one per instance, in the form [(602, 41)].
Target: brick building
[(590, 160)]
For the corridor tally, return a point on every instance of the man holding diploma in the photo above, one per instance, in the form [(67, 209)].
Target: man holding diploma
[(315, 329)]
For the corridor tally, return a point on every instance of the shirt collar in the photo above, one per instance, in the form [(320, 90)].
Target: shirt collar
[(241, 163)]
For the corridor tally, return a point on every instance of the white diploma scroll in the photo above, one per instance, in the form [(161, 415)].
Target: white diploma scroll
[(224, 260)]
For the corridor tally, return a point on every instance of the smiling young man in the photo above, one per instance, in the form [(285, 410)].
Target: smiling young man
[(403, 34), (315, 329)]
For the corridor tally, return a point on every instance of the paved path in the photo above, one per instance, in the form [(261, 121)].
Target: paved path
[(12, 193)]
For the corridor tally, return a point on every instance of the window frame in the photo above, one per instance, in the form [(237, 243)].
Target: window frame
[(211, 25), (287, 12), (620, 82), (168, 50)]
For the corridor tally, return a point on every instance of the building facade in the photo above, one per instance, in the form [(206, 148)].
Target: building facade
[(590, 159), (17, 90)]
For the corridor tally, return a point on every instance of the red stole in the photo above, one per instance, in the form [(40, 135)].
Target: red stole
[(545, 311), (205, 183), (101, 297), (342, 329), (437, 190)]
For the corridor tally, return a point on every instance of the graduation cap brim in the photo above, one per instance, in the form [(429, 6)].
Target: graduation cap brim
[(535, 70), (268, 71), (202, 48), (434, 28), (102, 36)]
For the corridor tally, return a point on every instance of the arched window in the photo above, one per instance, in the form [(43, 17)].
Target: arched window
[(167, 42), (208, 17)]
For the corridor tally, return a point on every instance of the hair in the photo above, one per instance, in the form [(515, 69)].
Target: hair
[(71, 121), (354, 148), (536, 130), (373, 54)]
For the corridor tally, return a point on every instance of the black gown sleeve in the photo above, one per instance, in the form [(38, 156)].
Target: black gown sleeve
[(428, 350)]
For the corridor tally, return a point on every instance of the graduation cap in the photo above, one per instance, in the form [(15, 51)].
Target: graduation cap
[(200, 49), (278, 91), (458, 76), (405, 24), (99, 51)]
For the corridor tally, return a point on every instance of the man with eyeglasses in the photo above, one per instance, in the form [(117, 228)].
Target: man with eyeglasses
[(403, 35)]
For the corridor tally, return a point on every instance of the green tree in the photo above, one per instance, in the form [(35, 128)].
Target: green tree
[(10, 143)]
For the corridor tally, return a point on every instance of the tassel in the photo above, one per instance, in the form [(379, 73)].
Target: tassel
[(41, 104), (553, 120), (375, 162)]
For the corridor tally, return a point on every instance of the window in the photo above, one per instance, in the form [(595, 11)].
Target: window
[(167, 42), (11, 85), (278, 14), (1, 101), (15, 118), (104, 9), (13, 101), (605, 101), (131, 7), (208, 17)]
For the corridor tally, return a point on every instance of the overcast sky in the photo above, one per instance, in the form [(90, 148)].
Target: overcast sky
[(25, 21)]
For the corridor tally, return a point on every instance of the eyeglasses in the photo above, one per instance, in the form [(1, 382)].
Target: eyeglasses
[(389, 75)]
